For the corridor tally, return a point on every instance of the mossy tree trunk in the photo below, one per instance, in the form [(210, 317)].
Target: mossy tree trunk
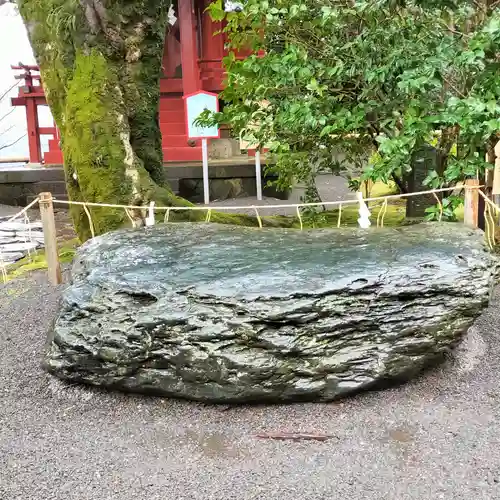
[(100, 62)]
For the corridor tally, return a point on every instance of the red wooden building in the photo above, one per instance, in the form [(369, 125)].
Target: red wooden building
[(192, 61)]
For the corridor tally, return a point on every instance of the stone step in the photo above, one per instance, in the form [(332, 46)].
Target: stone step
[(54, 187), (18, 239), (18, 226), (171, 104), (174, 141), (28, 175), (18, 247), (6, 259), (11, 241), (171, 116), (37, 238)]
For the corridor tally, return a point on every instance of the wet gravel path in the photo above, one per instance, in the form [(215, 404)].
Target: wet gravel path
[(436, 438)]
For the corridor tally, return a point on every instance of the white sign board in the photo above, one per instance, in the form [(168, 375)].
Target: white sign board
[(195, 105)]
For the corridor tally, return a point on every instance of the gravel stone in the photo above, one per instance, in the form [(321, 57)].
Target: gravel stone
[(435, 438)]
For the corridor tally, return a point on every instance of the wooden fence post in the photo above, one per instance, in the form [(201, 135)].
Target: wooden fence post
[(50, 239), (471, 203)]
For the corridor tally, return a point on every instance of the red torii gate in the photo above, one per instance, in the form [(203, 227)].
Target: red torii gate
[(193, 53), (31, 96)]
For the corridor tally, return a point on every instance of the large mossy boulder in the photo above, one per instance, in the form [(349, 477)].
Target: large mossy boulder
[(229, 314)]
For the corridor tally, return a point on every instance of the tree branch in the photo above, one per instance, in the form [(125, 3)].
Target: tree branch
[(6, 131), (7, 114), (5, 146), (4, 95), (399, 183)]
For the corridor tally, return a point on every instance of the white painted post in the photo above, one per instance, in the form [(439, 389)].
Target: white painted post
[(50, 238), (258, 175), (206, 186)]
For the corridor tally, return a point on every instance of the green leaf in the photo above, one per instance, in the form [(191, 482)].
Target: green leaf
[(372, 81)]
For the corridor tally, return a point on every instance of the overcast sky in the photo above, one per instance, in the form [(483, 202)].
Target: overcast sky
[(15, 48)]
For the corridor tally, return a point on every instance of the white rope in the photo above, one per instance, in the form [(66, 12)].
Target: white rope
[(24, 210), (28, 224), (381, 214), (259, 220), (489, 226), (364, 212), (440, 206), (254, 207), (487, 200), (127, 212), (91, 224), (152, 208), (3, 264), (300, 219), (150, 219), (3, 268)]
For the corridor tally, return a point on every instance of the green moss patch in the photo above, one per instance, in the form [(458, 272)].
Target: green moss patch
[(38, 261), (381, 189)]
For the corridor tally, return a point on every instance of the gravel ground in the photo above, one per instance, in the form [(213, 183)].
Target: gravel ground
[(437, 437), (330, 188), (9, 211)]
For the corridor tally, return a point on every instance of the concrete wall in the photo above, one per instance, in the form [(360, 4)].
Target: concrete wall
[(20, 185)]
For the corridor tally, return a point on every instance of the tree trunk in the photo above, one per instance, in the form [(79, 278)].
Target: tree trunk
[(425, 159), (100, 62)]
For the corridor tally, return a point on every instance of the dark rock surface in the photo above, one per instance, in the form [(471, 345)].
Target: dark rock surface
[(230, 314)]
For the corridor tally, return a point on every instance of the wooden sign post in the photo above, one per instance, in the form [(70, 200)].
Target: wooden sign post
[(196, 104)]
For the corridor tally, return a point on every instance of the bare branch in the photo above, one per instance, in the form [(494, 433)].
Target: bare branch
[(5, 146), (7, 114), (6, 131), (95, 13), (4, 95)]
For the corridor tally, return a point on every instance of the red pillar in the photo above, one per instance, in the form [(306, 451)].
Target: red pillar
[(35, 150), (189, 50), (212, 48)]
